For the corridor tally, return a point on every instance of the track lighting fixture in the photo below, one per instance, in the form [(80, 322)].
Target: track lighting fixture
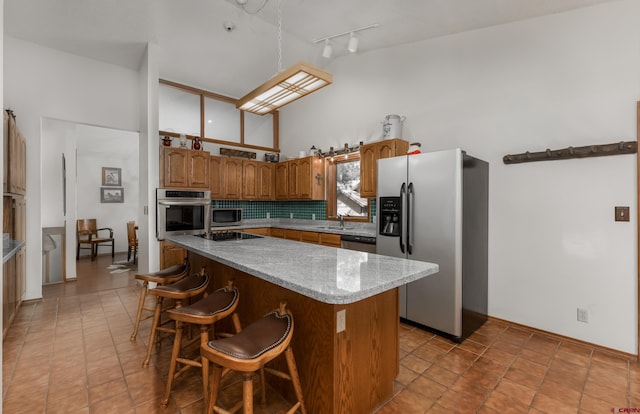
[(326, 51), (353, 43), (352, 46)]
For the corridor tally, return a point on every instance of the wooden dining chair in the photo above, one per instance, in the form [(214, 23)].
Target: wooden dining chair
[(88, 238), (132, 237)]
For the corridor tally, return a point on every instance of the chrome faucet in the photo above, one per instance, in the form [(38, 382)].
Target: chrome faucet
[(341, 218)]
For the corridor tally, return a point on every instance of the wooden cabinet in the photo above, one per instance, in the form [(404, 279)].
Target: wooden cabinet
[(232, 178), (266, 181), (236, 179), (14, 218), (369, 155), (13, 288), (258, 180), (282, 181), (300, 179), (184, 168), (15, 157), (216, 177), (290, 234), (170, 254), (262, 231), (276, 232), (325, 239), (328, 239)]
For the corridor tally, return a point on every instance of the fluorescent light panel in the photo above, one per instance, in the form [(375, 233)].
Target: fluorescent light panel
[(299, 80)]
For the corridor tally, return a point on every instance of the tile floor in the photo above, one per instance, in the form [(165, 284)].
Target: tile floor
[(70, 353)]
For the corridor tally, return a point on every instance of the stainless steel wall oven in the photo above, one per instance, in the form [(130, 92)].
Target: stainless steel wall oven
[(182, 212)]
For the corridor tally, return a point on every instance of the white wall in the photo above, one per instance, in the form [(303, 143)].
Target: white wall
[(104, 147), (569, 79), (44, 83)]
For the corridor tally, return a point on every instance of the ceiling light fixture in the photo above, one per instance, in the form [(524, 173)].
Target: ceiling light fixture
[(352, 46), (286, 86), (326, 51), (353, 43)]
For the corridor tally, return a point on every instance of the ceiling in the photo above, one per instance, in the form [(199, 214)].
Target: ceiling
[(195, 48)]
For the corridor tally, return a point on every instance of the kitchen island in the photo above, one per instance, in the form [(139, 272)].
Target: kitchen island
[(345, 307)]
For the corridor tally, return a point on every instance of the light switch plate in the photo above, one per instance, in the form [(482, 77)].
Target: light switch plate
[(622, 213)]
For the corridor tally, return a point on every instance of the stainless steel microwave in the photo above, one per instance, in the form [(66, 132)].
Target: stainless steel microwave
[(182, 212), (226, 217)]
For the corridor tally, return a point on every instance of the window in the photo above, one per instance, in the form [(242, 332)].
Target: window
[(343, 184), (214, 118)]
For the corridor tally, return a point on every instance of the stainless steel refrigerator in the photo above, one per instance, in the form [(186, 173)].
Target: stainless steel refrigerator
[(434, 207)]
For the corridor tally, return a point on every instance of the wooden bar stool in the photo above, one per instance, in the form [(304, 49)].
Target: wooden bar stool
[(248, 352), (163, 277), (205, 312), (183, 289)]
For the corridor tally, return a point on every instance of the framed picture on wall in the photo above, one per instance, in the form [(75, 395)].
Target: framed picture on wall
[(111, 195), (112, 176)]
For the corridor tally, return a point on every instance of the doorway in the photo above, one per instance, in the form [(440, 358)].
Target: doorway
[(74, 158)]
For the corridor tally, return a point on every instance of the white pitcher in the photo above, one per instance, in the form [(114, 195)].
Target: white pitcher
[(392, 126)]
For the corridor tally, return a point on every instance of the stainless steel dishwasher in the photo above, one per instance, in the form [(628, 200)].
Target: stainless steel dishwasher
[(360, 243)]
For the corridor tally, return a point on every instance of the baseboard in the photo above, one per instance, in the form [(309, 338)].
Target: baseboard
[(601, 348)]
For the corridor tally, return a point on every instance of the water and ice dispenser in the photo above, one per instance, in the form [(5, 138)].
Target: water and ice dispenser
[(390, 216)]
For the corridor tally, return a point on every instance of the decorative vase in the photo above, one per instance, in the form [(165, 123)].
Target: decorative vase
[(196, 143), (166, 141)]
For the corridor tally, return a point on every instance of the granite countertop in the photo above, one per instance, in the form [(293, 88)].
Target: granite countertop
[(319, 226), (10, 248), (327, 274)]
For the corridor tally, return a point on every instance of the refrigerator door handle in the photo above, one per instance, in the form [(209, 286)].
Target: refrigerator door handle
[(410, 212), (403, 217)]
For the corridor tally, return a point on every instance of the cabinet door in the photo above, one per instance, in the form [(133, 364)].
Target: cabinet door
[(233, 178), (327, 239), (368, 170), (276, 232), (262, 231), (170, 254), (175, 169), (198, 176), (249, 180), (305, 179), (310, 237), (282, 181), (266, 181), (294, 179), (290, 234), (216, 177)]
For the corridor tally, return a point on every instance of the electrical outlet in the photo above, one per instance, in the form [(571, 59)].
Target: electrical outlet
[(622, 214), (583, 315), (341, 320), (268, 215)]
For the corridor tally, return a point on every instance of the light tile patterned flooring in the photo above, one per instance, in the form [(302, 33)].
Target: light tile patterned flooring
[(70, 353)]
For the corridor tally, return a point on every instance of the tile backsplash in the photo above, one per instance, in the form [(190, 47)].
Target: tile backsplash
[(283, 209), (277, 209)]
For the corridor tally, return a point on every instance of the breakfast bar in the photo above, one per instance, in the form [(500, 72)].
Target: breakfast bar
[(344, 303)]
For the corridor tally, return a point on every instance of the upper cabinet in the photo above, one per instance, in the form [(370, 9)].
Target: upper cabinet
[(238, 179), (300, 179), (184, 168), (15, 157), (369, 156)]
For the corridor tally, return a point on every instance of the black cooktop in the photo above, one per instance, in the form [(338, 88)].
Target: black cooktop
[(230, 235)]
